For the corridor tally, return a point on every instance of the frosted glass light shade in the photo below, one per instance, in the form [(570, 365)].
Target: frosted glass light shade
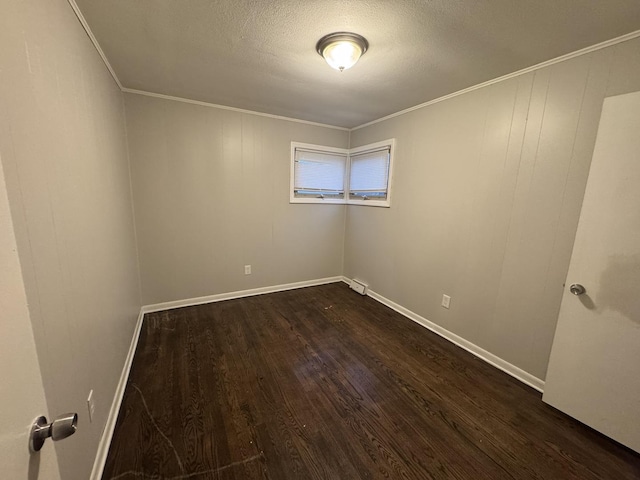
[(342, 50), (342, 55)]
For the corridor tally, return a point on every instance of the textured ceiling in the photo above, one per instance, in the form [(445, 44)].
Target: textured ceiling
[(260, 55)]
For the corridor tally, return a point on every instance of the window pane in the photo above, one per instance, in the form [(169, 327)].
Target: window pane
[(370, 174), (319, 173)]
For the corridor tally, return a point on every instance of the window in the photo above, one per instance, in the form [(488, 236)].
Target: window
[(323, 174), (369, 172), (318, 174)]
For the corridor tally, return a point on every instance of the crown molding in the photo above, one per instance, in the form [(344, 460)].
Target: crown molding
[(233, 109), (547, 63), (93, 39)]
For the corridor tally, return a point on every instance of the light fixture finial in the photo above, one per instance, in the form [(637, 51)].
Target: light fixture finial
[(342, 50)]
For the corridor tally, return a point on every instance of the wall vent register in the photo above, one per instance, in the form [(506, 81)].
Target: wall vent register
[(358, 286)]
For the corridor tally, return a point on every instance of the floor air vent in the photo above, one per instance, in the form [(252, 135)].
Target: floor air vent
[(359, 287)]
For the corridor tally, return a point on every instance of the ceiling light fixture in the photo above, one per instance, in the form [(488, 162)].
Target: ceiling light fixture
[(342, 50)]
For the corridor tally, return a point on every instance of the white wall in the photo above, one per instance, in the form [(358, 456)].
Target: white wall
[(487, 194), (63, 148), (211, 194)]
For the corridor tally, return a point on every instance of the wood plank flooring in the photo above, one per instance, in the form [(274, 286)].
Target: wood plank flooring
[(321, 383)]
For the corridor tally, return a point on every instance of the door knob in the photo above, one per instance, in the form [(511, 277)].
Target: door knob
[(62, 427), (577, 289)]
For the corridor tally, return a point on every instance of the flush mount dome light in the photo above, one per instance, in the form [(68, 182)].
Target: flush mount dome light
[(342, 50)]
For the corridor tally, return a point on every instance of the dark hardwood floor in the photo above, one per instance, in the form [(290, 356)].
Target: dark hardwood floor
[(321, 383)]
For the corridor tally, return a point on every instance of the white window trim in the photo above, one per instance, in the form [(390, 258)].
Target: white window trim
[(365, 148), (321, 148), (347, 172)]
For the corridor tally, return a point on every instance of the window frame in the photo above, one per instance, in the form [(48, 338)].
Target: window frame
[(292, 173), (390, 143), (348, 153)]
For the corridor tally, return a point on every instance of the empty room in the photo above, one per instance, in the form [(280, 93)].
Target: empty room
[(320, 239)]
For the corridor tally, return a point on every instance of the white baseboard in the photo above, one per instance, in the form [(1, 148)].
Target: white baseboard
[(157, 307), (490, 358), (110, 425), (107, 434)]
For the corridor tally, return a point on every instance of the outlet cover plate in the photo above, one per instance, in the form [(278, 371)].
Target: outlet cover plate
[(446, 301), (91, 406)]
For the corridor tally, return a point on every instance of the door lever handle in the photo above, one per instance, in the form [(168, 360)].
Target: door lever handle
[(62, 427), (577, 289)]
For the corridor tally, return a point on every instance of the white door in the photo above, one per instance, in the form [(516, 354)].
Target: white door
[(594, 369), (21, 392)]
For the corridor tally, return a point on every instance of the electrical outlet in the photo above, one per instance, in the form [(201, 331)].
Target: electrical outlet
[(91, 406), (446, 301), (247, 269)]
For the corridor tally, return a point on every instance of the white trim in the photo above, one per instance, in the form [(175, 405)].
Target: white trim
[(110, 425), (158, 307), (292, 173), (319, 201), (107, 434), (391, 143), (490, 358), (93, 39), (232, 109), (553, 61), (547, 63)]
